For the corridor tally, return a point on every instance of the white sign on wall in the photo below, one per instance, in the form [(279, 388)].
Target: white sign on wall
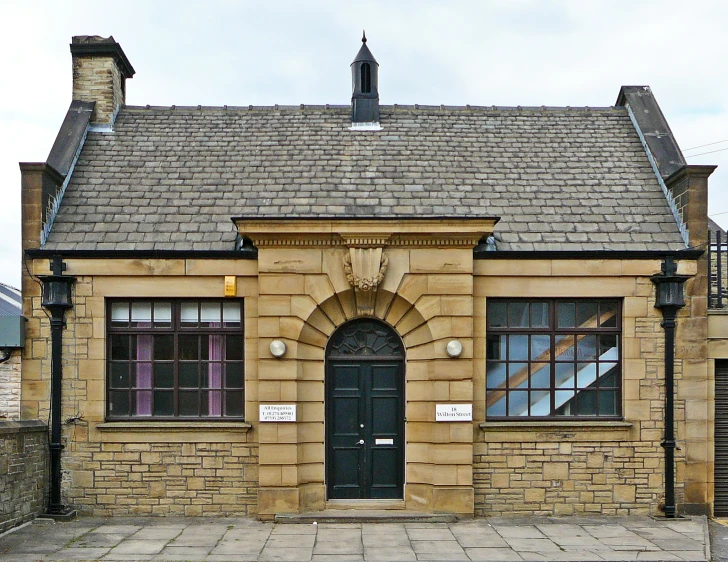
[(277, 412), (454, 412)]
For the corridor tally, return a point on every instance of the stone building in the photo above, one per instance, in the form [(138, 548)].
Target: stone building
[(12, 338), (440, 309)]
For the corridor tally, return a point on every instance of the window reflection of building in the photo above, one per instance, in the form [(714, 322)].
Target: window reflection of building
[(553, 358)]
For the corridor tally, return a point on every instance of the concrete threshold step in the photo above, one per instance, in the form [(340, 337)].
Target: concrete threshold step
[(365, 516)]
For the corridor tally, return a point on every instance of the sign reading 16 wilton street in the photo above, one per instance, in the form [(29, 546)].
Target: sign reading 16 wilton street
[(277, 412), (454, 412)]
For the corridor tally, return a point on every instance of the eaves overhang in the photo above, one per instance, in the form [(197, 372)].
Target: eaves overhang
[(688, 254), (243, 254), (363, 232)]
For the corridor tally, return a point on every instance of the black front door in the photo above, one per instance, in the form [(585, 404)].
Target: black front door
[(365, 412)]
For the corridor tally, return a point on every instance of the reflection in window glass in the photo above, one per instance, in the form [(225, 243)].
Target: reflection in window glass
[(518, 403), (563, 364), (518, 315), (495, 375), (564, 348), (540, 345), (517, 348), (566, 314), (539, 315), (497, 315), (608, 346), (608, 314), (497, 409), (518, 375), (540, 375), (608, 402), (495, 347), (586, 347), (540, 404), (586, 314)]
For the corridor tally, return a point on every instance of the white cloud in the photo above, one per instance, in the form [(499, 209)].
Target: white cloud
[(523, 52)]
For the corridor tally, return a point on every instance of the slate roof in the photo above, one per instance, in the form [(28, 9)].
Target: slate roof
[(559, 178), (10, 301)]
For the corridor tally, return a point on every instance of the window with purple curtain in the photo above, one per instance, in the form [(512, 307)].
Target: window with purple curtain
[(215, 395), (175, 358)]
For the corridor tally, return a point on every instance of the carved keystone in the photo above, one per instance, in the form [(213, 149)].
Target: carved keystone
[(365, 268)]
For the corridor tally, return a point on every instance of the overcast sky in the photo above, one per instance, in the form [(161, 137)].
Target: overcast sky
[(480, 52)]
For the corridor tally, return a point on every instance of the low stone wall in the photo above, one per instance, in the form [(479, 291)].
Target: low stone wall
[(23, 471)]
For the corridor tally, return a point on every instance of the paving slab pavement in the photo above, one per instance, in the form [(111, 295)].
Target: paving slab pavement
[(238, 539)]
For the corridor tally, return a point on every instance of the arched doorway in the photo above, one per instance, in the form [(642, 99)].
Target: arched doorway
[(365, 412)]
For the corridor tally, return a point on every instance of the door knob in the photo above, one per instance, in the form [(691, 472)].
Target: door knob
[(361, 442)]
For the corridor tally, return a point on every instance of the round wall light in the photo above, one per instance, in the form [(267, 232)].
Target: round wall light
[(454, 348), (277, 348)]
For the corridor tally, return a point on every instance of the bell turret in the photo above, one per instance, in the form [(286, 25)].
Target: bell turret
[(365, 86)]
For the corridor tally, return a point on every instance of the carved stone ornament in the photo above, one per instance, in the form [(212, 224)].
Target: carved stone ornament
[(365, 268)]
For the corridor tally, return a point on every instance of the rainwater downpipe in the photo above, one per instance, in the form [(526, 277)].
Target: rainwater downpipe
[(669, 299)]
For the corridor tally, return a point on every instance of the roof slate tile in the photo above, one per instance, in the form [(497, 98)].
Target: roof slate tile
[(560, 178)]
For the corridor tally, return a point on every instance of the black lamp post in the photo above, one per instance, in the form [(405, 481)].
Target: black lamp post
[(669, 299), (57, 299)]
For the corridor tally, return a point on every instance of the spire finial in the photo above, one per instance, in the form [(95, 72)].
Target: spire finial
[(364, 36)]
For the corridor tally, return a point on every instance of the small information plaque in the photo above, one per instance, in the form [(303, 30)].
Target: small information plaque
[(454, 412), (277, 412)]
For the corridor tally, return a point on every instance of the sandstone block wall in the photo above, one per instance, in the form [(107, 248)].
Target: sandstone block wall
[(99, 79), (430, 296), (183, 479), (426, 295), (204, 467), (599, 467), (23, 472)]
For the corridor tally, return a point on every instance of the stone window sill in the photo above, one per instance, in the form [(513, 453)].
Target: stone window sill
[(173, 432), (554, 430)]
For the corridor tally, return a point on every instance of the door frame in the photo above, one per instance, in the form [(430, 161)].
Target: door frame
[(329, 360)]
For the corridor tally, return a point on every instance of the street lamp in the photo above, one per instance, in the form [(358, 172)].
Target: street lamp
[(57, 299), (669, 299)]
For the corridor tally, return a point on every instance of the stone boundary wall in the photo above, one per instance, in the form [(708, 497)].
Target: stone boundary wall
[(23, 471), (10, 387)]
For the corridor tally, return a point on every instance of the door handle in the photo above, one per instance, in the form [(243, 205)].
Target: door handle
[(360, 442)]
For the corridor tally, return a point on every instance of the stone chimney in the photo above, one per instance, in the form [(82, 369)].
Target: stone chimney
[(100, 70)]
